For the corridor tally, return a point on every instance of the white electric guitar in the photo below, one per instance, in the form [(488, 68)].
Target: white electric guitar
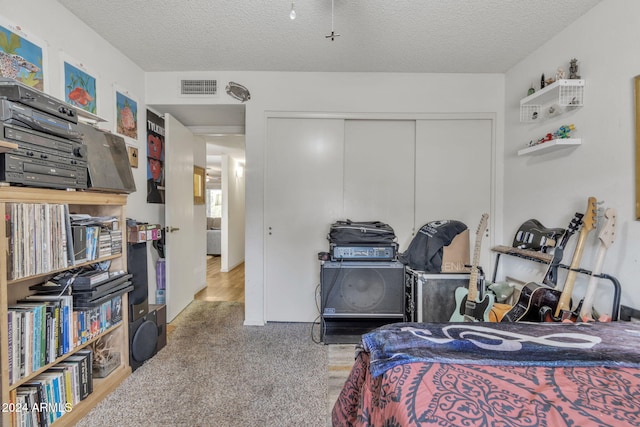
[(607, 236)]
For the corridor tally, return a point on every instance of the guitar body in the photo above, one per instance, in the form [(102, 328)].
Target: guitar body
[(533, 298), (471, 311)]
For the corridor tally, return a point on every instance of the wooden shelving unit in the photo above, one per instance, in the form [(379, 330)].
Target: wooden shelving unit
[(95, 204)]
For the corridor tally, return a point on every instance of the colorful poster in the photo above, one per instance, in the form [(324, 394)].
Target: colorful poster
[(155, 158), (79, 88), (20, 57), (126, 115)]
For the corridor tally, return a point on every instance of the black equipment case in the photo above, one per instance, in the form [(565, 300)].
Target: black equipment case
[(364, 232)]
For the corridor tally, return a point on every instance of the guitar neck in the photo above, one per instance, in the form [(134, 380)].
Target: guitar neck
[(473, 277), (587, 303), (565, 297)]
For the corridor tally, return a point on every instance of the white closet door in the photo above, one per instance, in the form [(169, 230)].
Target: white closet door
[(303, 196), (453, 173), (379, 173)]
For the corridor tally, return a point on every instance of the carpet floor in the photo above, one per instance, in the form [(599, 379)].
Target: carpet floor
[(216, 372)]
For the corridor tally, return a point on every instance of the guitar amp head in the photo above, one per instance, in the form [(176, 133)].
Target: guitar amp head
[(364, 252)]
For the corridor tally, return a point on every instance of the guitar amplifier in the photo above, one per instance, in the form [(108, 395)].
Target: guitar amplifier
[(434, 294), (364, 252)]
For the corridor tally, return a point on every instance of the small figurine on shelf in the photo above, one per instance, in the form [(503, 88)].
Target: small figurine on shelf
[(560, 74), (542, 82), (564, 131), (573, 69), (531, 90)]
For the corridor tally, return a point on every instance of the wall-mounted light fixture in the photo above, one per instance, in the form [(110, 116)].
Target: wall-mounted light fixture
[(292, 14), (239, 171)]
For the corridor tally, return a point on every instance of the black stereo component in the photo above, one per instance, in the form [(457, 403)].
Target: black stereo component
[(28, 139), (373, 289), (21, 115), (364, 252), (137, 266), (33, 172), (18, 92)]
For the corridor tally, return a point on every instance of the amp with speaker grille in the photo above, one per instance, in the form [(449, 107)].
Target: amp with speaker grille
[(358, 296)]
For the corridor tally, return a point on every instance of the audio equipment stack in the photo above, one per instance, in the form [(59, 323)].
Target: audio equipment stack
[(50, 151), (361, 281)]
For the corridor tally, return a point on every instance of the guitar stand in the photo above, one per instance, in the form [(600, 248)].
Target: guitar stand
[(617, 288)]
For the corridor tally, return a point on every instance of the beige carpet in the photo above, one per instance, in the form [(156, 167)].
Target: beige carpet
[(216, 372)]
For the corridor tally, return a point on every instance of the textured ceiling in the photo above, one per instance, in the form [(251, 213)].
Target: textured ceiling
[(434, 36), (422, 36)]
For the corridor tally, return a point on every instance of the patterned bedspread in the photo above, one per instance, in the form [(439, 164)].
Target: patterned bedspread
[(466, 393)]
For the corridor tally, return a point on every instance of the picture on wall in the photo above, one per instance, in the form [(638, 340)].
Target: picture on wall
[(79, 87), (155, 158), (126, 115), (21, 56)]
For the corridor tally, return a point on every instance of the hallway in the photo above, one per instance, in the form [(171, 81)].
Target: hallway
[(222, 286)]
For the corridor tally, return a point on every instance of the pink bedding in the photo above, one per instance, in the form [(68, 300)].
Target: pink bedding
[(450, 394)]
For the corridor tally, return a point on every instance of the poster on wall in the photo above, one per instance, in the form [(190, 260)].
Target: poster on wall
[(22, 57), (126, 115), (155, 158), (79, 86)]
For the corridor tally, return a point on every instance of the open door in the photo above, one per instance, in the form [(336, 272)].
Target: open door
[(179, 217)]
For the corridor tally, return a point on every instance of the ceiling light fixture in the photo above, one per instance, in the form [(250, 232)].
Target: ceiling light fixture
[(333, 34), (292, 14)]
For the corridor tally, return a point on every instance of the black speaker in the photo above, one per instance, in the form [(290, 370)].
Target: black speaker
[(143, 339), (362, 289), (161, 321), (137, 265)]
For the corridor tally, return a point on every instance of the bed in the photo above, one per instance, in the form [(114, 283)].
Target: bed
[(494, 374)]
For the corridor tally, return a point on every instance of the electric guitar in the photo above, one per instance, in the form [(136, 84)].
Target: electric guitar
[(469, 308), (562, 310), (606, 236), (535, 296)]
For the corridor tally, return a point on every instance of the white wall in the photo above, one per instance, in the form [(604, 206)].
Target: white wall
[(552, 187), (383, 93), (233, 204), (66, 36)]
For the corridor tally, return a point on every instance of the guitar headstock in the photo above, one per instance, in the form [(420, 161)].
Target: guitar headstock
[(591, 215), (575, 223), (608, 233), (482, 227)]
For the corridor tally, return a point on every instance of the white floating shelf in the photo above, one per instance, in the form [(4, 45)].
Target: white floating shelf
[(554, 144)]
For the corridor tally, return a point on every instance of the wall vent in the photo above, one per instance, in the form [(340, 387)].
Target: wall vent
[(199, 87)]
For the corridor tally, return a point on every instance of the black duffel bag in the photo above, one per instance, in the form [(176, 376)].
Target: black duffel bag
[(358, 232)]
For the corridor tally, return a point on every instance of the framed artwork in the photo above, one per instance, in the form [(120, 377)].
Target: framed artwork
[(155, 158), (79, 86), (22, 57), (126, 115), (198, 185)]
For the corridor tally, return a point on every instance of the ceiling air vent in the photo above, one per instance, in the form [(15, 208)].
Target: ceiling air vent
[(199, 87)]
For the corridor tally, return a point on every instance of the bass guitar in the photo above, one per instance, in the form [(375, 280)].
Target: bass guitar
[(562, 310), (535, 296), (469, 306), (607, 236)]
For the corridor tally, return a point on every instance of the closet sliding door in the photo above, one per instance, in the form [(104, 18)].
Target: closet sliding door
[(303, 195), (379, 173), (453, 173)]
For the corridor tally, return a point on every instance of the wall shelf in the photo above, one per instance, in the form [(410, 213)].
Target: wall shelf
[(564, 93), (553, 145)]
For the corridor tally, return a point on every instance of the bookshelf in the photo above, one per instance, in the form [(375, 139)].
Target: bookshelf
[(11, 291)]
